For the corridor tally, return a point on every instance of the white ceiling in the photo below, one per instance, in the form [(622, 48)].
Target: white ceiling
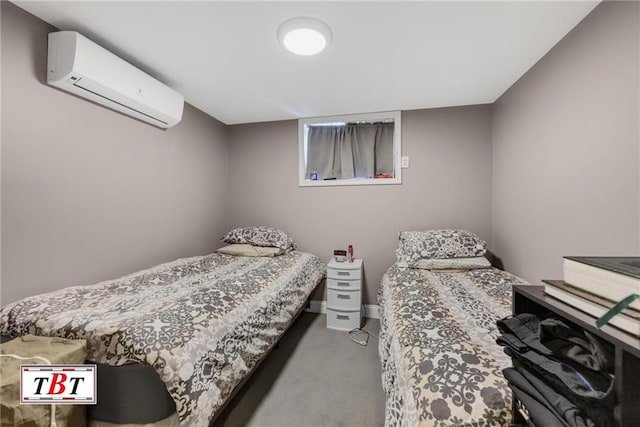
[(225, 59)]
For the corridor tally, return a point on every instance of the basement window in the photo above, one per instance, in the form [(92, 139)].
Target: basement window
[(357, 149)]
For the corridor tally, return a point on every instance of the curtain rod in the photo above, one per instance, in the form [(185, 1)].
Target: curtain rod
[(350, 123)]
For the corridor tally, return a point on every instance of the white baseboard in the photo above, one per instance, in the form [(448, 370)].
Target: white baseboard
[(371, 311)]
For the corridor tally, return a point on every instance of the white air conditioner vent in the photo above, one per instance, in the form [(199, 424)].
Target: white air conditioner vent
[(77, 65)]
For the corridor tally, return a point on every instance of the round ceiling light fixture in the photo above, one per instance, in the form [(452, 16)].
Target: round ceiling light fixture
[(304, 36)]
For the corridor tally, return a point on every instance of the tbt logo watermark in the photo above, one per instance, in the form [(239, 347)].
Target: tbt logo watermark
[(59, 384)]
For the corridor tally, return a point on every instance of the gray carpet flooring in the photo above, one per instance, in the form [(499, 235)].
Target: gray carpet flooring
[(315, 377)]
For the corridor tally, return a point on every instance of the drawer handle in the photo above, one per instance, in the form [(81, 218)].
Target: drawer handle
[(342, 283), (343, 273), (344, 296), (342, 317)]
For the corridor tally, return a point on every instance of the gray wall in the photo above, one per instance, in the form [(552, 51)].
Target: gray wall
[(566, 150), (89, 194), (447, 185), (551, 169)]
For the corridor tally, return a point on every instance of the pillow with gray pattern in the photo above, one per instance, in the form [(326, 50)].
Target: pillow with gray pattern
[(441, 244), (260, 236)]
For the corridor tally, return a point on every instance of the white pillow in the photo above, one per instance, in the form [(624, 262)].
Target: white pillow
[(250, 250), (467, 263)]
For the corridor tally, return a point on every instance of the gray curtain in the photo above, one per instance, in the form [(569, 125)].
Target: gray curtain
[(359, 150)]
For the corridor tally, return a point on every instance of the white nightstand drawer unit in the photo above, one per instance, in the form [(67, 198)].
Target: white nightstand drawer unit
[(343, 320), (344, 271), (344, 300), (343, 285), (344, 295)]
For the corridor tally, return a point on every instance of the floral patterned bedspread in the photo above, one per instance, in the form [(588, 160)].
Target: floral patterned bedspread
[(202, 323), (440, 363)]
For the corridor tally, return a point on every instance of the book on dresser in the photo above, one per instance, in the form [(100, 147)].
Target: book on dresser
[(613, 278), (628, 320)]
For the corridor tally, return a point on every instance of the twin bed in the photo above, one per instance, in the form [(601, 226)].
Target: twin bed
[(439, 305), (186, 334), (202, 324)]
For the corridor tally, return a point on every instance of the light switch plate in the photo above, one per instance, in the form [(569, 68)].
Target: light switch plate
[(405, 162)]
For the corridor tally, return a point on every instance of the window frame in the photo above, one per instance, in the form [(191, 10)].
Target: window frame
[(365, 117)]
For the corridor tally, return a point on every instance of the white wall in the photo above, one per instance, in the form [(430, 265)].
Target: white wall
[(89, 194), (566, 147), (551, 169), (448, 185)]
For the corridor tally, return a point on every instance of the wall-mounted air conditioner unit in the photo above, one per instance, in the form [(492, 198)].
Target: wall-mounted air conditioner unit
[(78, 65)]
